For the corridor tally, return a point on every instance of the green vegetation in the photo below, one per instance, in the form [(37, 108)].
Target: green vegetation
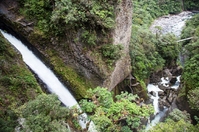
[(190, 76), (54, 15), (44, 114), (191, 5), (111, 52), (17, 85), (117, 115)]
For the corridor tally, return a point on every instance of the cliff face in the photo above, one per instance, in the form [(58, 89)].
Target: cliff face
[(121, 35), (72, 54)]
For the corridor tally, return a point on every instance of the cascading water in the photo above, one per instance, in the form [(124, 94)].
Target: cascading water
[(169, 24), (154, 88), (46, 75)]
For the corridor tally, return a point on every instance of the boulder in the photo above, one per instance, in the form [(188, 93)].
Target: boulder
[(162, 87), (173, 80), (160, 105), (153, 93), (161, 93)]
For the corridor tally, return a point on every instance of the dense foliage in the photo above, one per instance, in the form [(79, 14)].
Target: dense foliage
[(191, 4), (191, 71), (57, 14), (44, 114), (144, 55), (121, 114)]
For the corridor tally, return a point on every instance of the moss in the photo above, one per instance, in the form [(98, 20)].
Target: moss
[(78, 84)]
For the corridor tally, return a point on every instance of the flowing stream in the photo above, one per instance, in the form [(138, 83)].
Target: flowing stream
[(47, 76), (169, 24)]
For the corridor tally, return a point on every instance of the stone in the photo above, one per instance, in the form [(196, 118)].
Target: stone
[(162, 87), (161, 93), (160, 105), (173, 80), (153, 93)]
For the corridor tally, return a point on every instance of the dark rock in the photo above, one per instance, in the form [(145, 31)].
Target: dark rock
[(144, 121), (170, 99), (161, 93), (177, 71), (167, 73), (161, 106), (155, 77), (153, 93), (149, 101), (173, 80), (165, 103), (152, 116), (162, 87)]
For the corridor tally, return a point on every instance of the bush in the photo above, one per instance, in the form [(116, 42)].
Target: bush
[(119, 115)]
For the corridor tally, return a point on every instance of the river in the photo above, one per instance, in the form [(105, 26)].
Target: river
[(167, 24)]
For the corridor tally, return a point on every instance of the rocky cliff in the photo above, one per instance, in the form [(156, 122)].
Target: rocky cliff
[(78, 67)]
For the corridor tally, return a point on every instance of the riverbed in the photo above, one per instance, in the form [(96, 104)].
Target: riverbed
[(171, 23)]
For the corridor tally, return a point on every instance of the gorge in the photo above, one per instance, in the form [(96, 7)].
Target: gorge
[(89, 53)]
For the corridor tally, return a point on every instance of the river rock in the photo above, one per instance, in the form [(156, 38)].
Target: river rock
[(153, 93), (177, 71), (173, 80), (152, 116), (144, 121), (161, 93), (170, 99), (149, 101), (165, 103), (161, 106), (162, 87)]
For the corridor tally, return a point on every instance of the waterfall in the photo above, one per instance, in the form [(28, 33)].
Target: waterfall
[(46, 75)]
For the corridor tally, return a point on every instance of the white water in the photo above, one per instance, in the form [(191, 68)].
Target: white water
[(48, 77), (159, 114), (155, 98), (171, 23)]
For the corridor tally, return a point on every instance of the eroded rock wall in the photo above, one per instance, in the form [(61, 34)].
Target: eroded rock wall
[(121, 35)]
